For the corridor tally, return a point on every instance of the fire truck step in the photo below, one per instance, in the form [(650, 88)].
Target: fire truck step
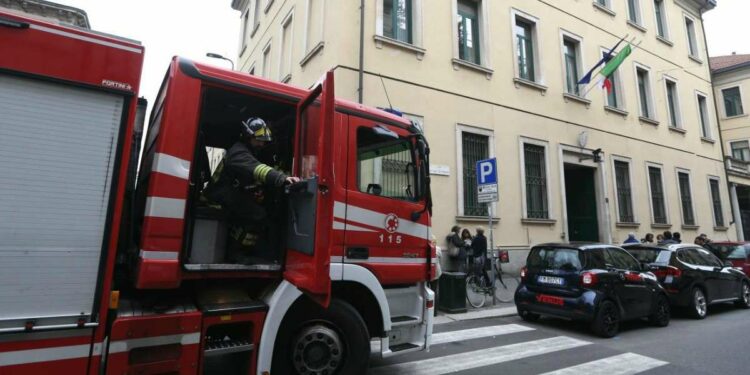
[(215, 348), (402, 347), (404, 320), (212, 309)]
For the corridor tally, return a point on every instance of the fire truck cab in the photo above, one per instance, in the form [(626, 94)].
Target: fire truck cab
[(344, 257)]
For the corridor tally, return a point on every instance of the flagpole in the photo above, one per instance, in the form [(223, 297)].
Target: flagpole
[(588, 89)]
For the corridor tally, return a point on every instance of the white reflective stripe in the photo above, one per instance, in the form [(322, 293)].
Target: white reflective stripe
[(389, 260), (120, 346), (623, 364), (84, 38), (159, 255), (171, 165), (377, 219), (480, 358), (165, 207), (337, 259), (342, 226), (57, 353)]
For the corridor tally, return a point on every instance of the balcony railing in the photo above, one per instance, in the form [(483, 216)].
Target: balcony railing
[(737, 165)]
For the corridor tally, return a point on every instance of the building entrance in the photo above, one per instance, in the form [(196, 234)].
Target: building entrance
[(580, 195)]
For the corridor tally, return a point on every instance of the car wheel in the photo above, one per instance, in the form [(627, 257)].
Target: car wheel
[(528, 316), (607, 321), (660, 317), (744, 301), (698, 306), (318, 341)]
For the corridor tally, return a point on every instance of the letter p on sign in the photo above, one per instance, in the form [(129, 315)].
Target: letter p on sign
[(486, 172)]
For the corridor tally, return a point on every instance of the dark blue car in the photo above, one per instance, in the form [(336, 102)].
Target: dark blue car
[(600, 284)]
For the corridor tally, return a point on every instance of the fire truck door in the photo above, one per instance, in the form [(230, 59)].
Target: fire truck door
[(310, 214)]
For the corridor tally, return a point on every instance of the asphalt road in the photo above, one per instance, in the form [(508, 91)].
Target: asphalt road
[(717, 345)]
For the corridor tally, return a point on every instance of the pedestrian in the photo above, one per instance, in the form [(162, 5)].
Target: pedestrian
[(706, 240), (466, 237), (648, 239), (676, 236), (435, 283), (456, 250), (479, 251), (699, 241), (668, 240), (659, 238), (631, 238)]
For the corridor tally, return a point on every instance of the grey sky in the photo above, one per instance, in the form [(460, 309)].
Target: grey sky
[(190, 28)]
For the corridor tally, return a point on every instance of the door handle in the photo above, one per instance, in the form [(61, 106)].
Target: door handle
[(357, 253)]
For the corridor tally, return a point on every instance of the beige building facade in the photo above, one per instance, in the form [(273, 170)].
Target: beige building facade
[(731, 77), (499, 79)]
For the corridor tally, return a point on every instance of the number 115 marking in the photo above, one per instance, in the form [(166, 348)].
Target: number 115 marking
[(390, 238)]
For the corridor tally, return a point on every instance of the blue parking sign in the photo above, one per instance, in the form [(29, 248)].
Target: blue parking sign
[(487, 172)]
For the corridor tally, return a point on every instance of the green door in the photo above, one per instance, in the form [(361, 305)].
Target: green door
[(580, 194)]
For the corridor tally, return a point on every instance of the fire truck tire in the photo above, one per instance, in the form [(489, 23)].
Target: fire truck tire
[(314, 340)]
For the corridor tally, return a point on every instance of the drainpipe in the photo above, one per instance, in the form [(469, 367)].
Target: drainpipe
[(734, 204), (361, 49)]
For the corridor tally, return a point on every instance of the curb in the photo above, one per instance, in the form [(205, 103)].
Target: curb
[(477, 314)]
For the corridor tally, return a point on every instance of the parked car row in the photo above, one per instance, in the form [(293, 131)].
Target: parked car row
[(608, 284)]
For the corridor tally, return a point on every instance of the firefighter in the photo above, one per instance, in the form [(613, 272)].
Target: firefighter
[(237, 185)]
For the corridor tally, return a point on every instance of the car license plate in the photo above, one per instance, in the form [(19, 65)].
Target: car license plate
[(551, 280), (668, 279)]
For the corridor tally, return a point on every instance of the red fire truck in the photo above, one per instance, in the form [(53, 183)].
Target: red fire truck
[(107, 270)]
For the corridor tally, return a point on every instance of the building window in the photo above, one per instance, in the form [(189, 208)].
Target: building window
[(256, 16), (252, 70), (468, 31), (713, 183), (267, 61), (604, 3), (535, 174), (245, 24), (474, 147), (614, 95), (644, 93), (732, 101), (634, 11), (691, 39), (661, 19), (287, 38), (572, 58), (673, 103), (314, 26), (686, 198), (397, 20), (703, 114), (525, 48), (740, 150), (658, 199), (624, 192)]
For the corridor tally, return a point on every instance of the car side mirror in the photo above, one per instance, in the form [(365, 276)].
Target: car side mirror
[(728, 264)]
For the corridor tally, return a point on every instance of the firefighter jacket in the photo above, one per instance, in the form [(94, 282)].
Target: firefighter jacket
[(239, 174)]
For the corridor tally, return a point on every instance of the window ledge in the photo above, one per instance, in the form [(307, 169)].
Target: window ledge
[(661, 225), (380, 40), (255, 30), (244, 48), (268, 6), (525, 82), (314, 51), (677, 130), (664, 40), (573, 97), (286, 78), (604, 9), (696, 59), (637, 26), (648, 120), (721, 229), (708, 140), (616, 110), (690, 227), (627, 225), (477, 219), (539, 221), (735, 116), (458, 62)]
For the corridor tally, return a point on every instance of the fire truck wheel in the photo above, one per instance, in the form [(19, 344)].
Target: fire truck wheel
[(314, 340)]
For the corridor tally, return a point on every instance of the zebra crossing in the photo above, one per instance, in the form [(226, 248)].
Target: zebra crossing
[(513, 349)]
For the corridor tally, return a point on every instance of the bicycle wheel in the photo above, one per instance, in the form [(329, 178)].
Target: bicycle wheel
[(505, 287), (475, 291)]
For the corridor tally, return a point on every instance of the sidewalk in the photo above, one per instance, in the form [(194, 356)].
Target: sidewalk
[(499, 310)]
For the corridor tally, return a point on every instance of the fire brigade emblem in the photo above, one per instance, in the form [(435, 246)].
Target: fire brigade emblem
[(391, 223)]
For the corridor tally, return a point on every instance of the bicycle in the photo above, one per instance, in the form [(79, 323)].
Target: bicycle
[(505, 285), (477, 289)]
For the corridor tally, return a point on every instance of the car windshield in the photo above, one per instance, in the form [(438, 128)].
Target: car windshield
[(555, 258), (730, 251), (645, 255)]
